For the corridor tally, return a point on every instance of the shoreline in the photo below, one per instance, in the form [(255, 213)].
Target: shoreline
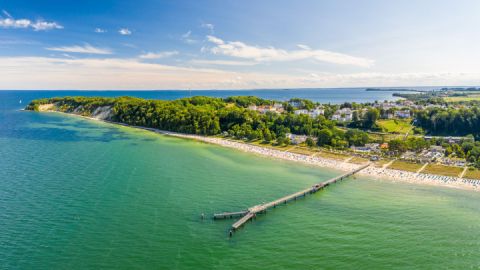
[(318, 161)]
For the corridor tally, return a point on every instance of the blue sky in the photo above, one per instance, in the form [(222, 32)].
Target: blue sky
[(237, 44)]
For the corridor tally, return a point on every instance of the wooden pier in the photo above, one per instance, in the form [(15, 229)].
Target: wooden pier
[(252, 212)]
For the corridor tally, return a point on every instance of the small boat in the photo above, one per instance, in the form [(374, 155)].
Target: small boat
[(20, 101)]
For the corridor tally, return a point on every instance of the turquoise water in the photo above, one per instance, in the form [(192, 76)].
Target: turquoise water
[(78, 194)]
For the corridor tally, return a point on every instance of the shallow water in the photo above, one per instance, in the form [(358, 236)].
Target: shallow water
[(78, 194)]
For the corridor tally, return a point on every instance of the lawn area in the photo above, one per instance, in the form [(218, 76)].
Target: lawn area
[(395, 125), (464, 98), (377, 137), (358, 160), (380, 163), (268, 145), (442, 170), (405, 166), (332, 155), (472, 174)]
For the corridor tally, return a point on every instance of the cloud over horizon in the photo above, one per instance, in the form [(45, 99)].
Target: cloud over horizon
[(117, 73), (263, 54), (38, 25), (87, 48), (157, 55)]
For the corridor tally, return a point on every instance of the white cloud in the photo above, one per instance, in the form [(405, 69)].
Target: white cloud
[(215, 40), (222, 62), (115, 73), (304, 47), (263, 54), (42, 26), (208, 26), (187, 34), (12, 23), (130, 45), (6, 13), (187, 38), (100, 30), (124, 32), (26, 23), (87, 48), (157, 55)]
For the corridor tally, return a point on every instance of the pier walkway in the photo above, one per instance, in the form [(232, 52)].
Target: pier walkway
[(252, 212)]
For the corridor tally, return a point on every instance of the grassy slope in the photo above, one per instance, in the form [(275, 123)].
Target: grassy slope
[(472, 174), (442, 170), (466, 98), (405, 166), (396, 125)]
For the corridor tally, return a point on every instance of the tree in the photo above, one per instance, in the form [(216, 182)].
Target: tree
[(397, 146), (310, 142), (356, 137), (267, 135), (324, 137), (370, 118)]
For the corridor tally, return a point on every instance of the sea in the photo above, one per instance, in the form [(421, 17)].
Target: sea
[(82, 194)]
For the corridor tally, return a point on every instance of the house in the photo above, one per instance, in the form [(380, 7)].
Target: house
[(361, 149), (428, 156), (296, 139), (402, 114), (384, 146), (407, 102), (278, 107), (375, 147), (316, 112), (450, 139), (296, 103), (266, 108), (437, 149), (409, 155), (343, 115), (298, 112)]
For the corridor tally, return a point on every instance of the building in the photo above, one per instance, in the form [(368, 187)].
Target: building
[(402, 114), (375, 147), (437, 149), (298, 112), (450, 139), (361, 149), (296, 103), (278, 107), (313, 113), (317, 112), (296, 139), (343, 115), (266, 108)]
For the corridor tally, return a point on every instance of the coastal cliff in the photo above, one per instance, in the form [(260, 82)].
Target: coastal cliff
[(83, 107)]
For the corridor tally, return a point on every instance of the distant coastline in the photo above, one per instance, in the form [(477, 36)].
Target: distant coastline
[(393, 90)]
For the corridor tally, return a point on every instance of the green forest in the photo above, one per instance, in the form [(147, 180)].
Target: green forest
[(212, 116)]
